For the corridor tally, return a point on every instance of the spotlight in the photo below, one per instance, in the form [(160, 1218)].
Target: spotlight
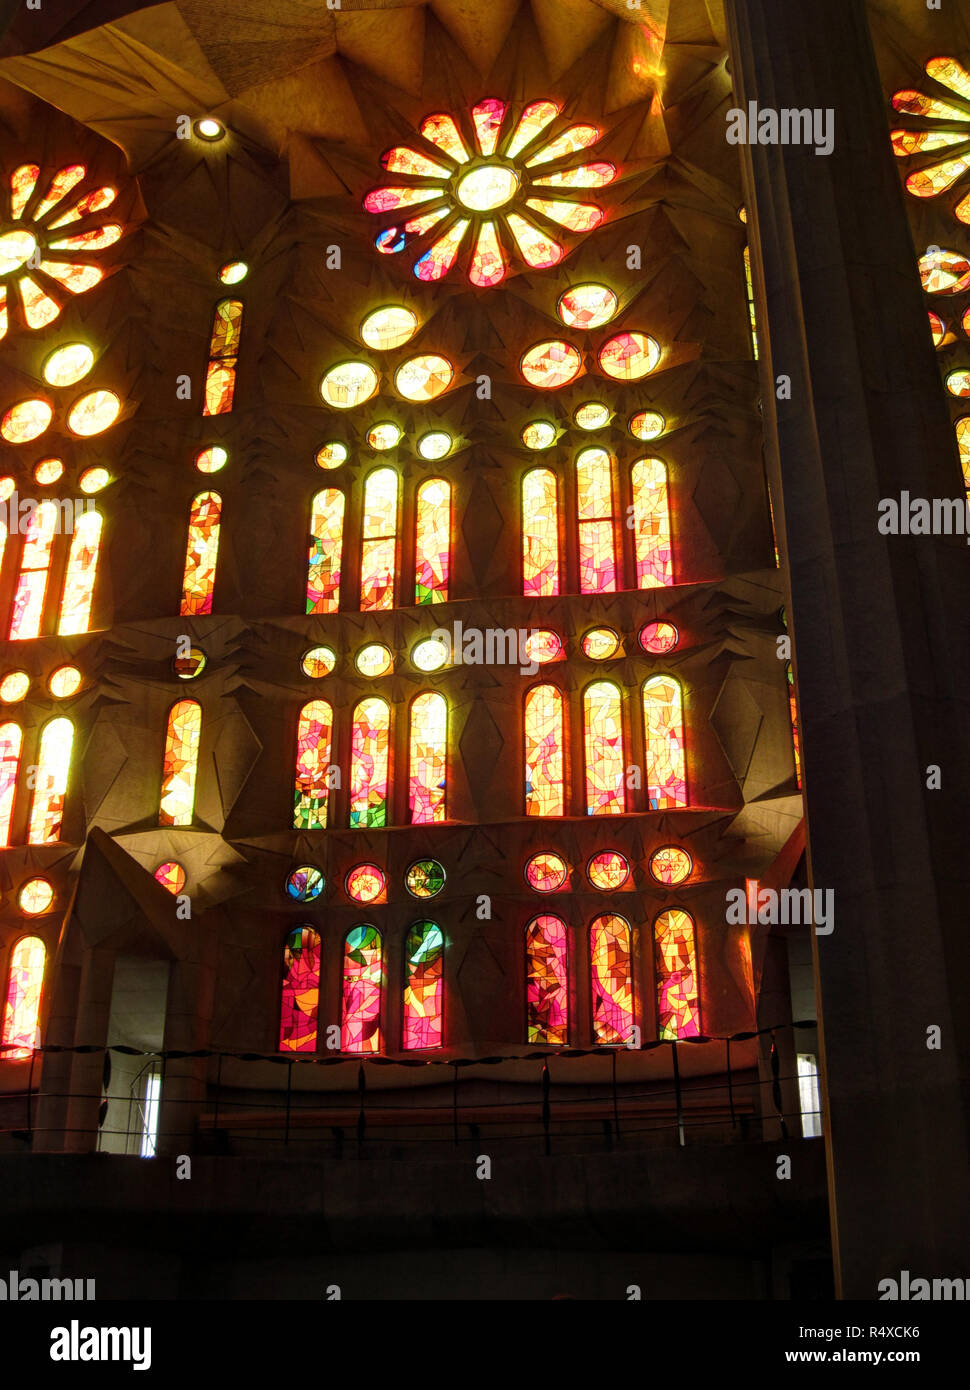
[(209, 128)]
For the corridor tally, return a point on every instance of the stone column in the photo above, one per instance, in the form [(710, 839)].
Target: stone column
[(882, 647)]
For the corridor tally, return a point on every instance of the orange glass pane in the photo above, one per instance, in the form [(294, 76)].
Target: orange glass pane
[(544, 752), (379, 541), (402, 160), (603, 747), (533, 120), (488, 263), (50, 787), (60, 185), (326, 547), (551, 364), (432, 542), (95, 240), (678, 1015), (651, 524), (28, 603), (536, 248), (663, 731), (313, 753), (21, 1010), (629, 356), (540, 534), (390, 199), (916, 104), (82, 569), (180, 764), (39, 308), (428, 759), (441, 130), (577, 137), (597, 541), (201, 555), (22, 184), (952, 74), (10, 741), (487, 117), (612, 979), (76, 278), (97, 201), (437, 262), (576, 217), (586, 176)]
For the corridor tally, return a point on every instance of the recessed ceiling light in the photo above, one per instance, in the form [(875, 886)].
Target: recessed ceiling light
[(209, 128)]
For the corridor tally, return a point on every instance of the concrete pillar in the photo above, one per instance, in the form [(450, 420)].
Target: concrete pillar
[(882, 653)]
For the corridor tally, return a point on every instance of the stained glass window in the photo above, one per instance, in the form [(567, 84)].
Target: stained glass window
[(547, 981), (28, 602), (423, 992), (793, 712), (597, 541), (432, 542), (678, 1014), (663, 731), (10, 741), (608, 870), (546, 872), (313, 741), (326, 546), (94, 413), (428, 758), (370, 739), (82, 569), (201, 555), (540, 534), (603, 742), (348, 384), (365, 883), (21, 1012), (551, 364), (220, 378), (629, 356), (181, 763), (360, 1021), (379, 541), (50, 787), (545, 793), (425, 878), (300, 995), (651, 524), (671, 865), (612, 979)]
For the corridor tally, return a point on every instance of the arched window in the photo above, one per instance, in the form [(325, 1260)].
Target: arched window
[(663, 732), (21, 1011), (220, 377), (326, 547), (28, 603), (678, 1014), (201, 555), (181, 763), (603, 740), (82, 569), (378, 560), (369, 745), (432, 563), (10, 741), (651, 524), (793, 712), (50, 788), (612, 979), (423, 989), (428, 758), (546, 980), (300, 997), (545, 787), (313, 743), (594, 504), (540, 534), (363, 976)]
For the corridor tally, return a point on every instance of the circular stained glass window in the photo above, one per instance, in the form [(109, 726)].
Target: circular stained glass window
[(331, 455), (233, 272), (487, 187), (543, 646), (365, 883), (94, 480), (347, 385), (944, 272), (25, 421), (16, 249), (305, 883), (389, 327), (374, 660), (539, 434), (425, 878), (958, 383), (435, 444), (546, 872), (171, 875), (94, 413), (68, 364), (64, 682), (190, 665), (7, 486), (587, 306), (35, 897), (431, 654), (608, 870), (14, 687), (629, 356), (551, 364), (319, 661), (423, 378), (385, 435), (211, 460), (658, 638), (600, 643), (48, 471), (647, 424), (671, 865), (592, 415)]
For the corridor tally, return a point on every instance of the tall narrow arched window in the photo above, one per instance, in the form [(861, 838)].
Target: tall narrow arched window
[(651, 524), (360, 1001), (428, 758), (663, 732), (612, 979), (424, 955), (300, 996), (28, 602), (369, 747), (546, 980), (50, 788), (201, 554), (10, 741), (82, 569), (545, 786), (21, 1010), (313, 743), (378, 558), (594, 509), (180, 764), (540, 534), (432, 540), (220, 377), (603, 746), (793, 712), (326, 548), (678, 1014)]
